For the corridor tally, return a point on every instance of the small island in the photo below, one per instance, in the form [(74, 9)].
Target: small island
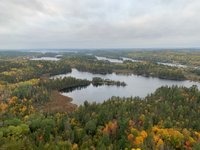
[(97, 81)]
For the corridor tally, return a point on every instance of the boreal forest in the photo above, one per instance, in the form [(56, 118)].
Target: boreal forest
[(35, 114)]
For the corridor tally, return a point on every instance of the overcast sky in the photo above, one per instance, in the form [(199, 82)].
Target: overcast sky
[(99, 23)]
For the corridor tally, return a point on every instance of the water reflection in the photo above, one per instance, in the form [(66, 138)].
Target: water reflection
[(172, 65), (46, 58), (135, 60), (109, 59), (136, 86)]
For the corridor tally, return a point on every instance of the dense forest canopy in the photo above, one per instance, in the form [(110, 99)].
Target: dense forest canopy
[(35, 116)]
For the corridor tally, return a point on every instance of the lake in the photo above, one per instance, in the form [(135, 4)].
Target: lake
[(112, 60), (172, 65), (46, 58), (136, 86)]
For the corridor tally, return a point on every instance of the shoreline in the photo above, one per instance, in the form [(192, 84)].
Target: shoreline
[(59, 103)]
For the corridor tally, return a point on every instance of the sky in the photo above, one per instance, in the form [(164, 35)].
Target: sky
[(53, 24)]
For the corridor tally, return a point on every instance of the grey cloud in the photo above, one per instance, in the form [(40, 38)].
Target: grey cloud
[(99, 23)]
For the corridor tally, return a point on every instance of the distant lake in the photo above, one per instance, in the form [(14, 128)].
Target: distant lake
[(134, 60), (112, 60), (136, 86), (109, 59), (46, 58), (130, 59), (172, 65)]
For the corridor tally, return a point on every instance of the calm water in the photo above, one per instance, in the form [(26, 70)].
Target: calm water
[(46, 58), (109, 59), (112, 60), (172, 65), (130, 59), (136, 86), (57, 58), (134, 60)]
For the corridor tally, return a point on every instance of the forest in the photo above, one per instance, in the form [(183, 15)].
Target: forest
[(14, 69), (167, 119)]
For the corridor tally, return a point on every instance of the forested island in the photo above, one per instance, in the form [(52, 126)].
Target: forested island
[(34, 114)]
